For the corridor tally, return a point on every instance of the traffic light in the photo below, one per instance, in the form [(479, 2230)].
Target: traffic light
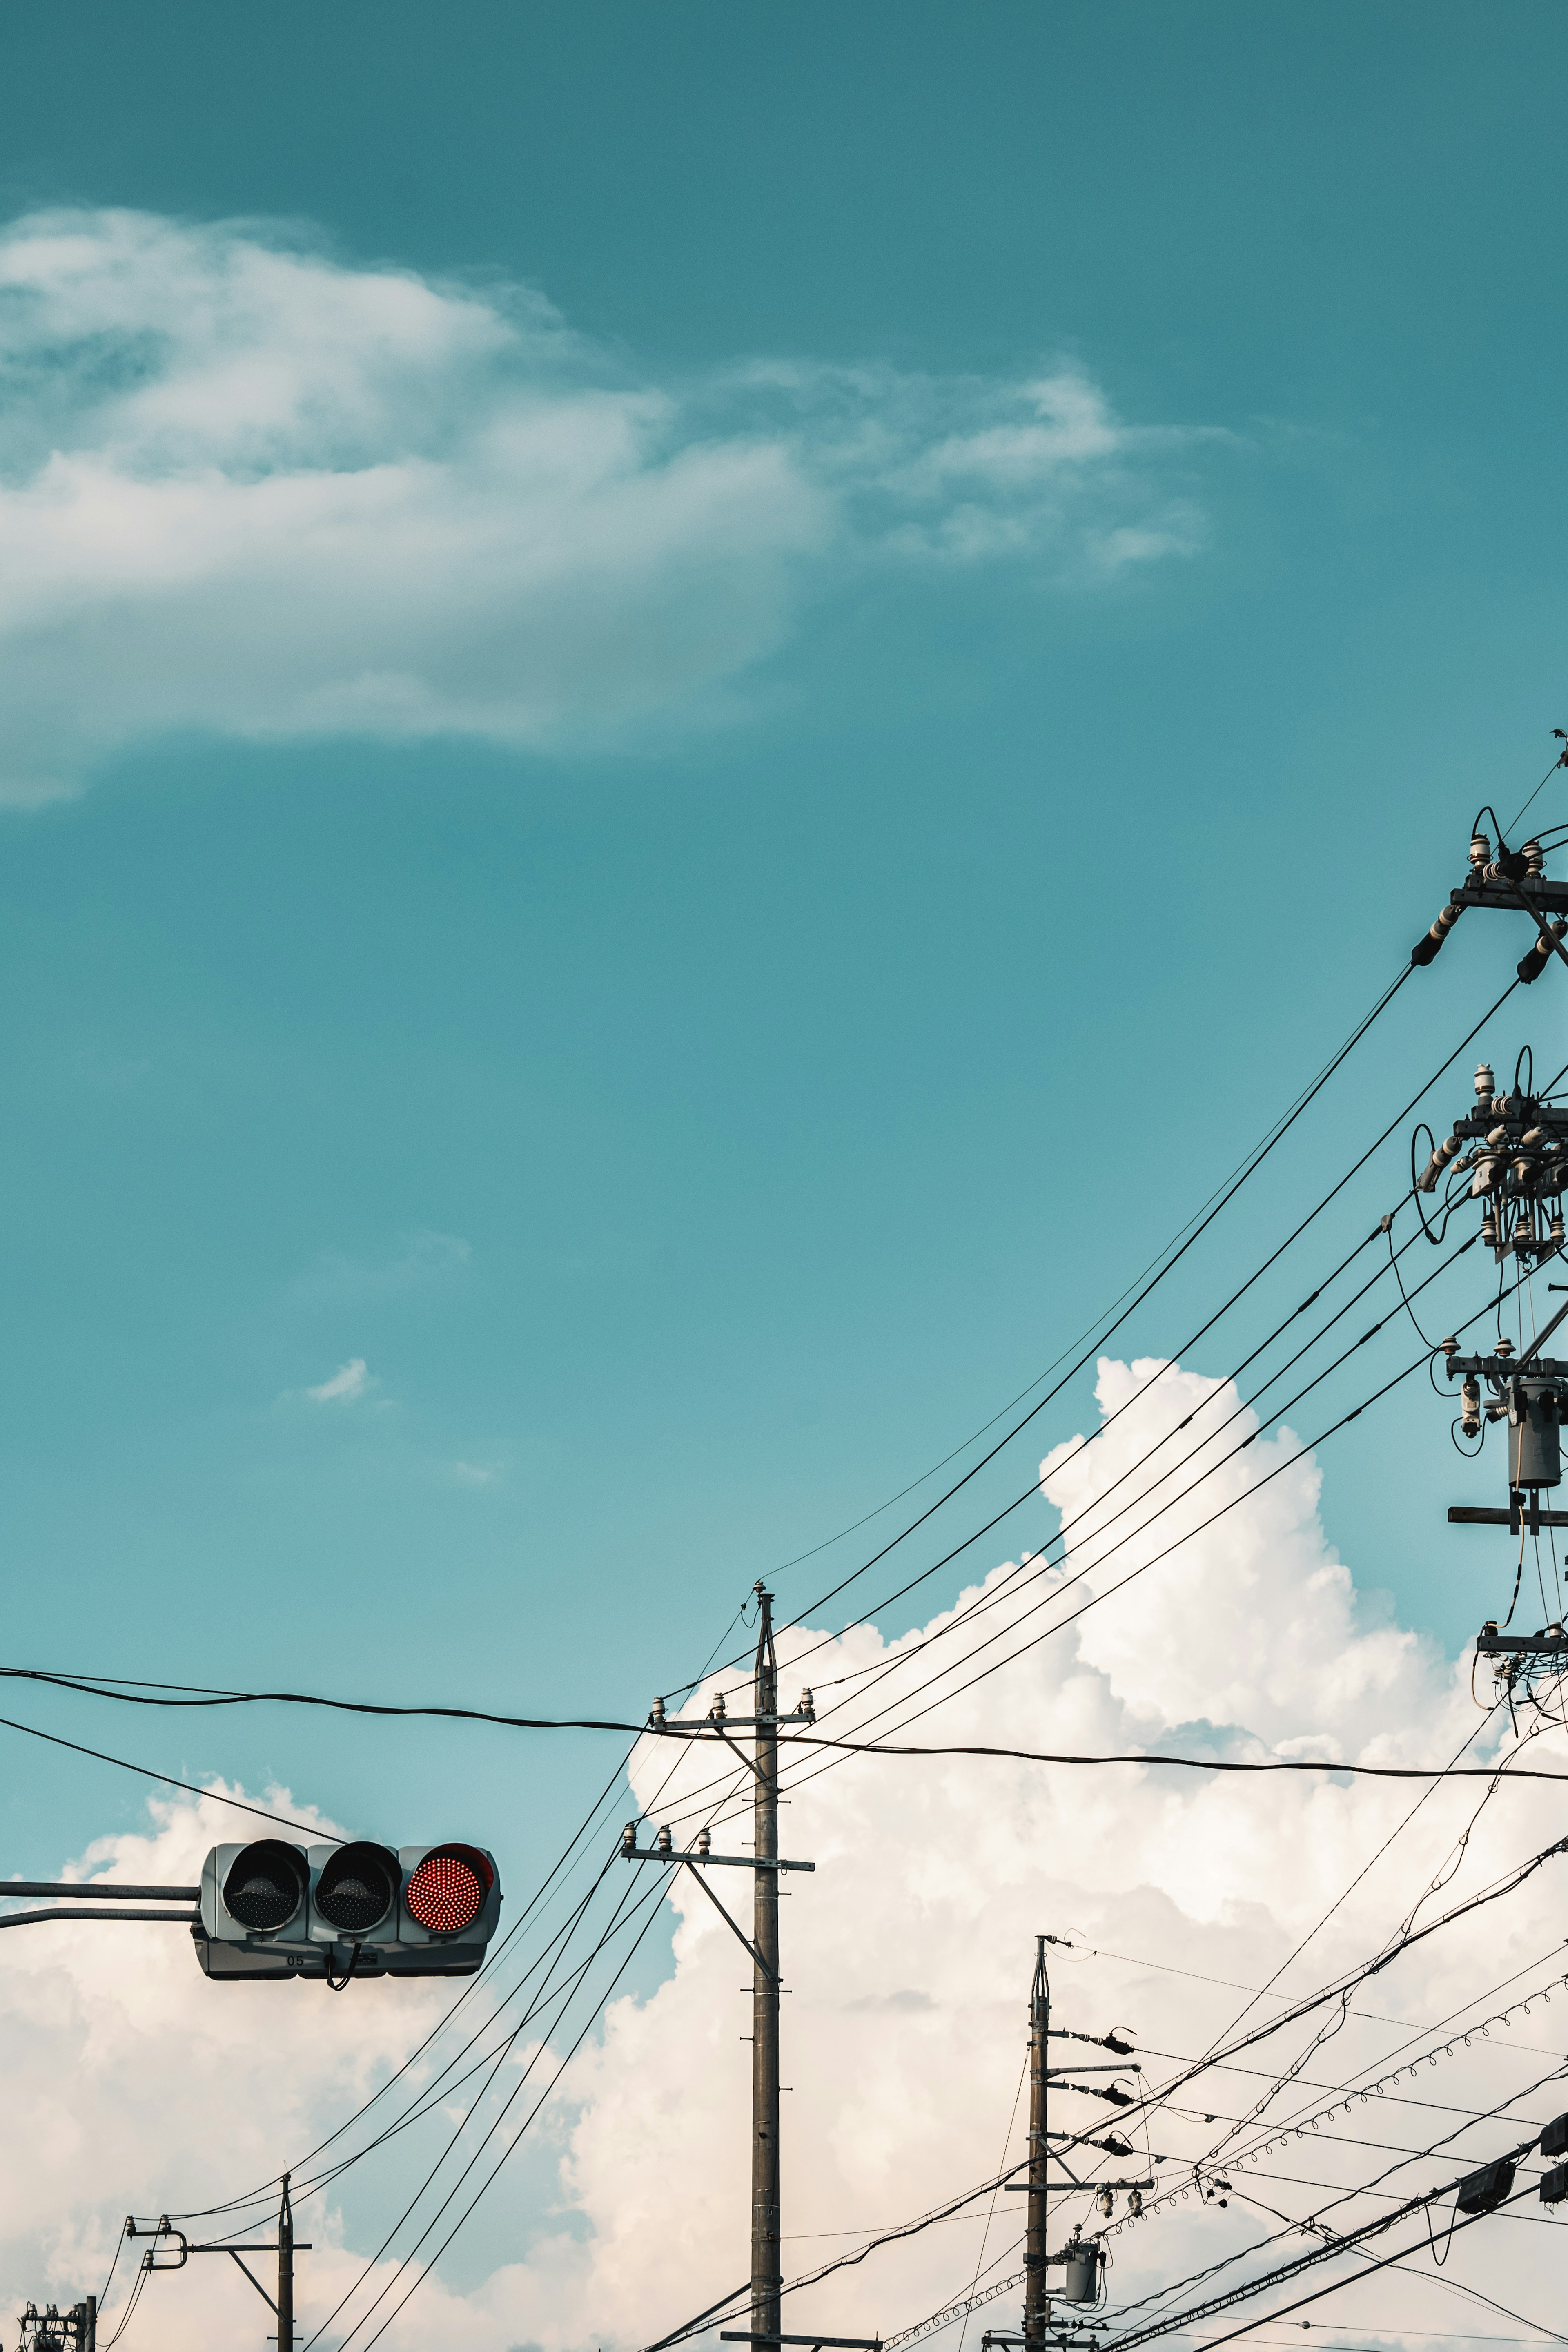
[(275, 1910)]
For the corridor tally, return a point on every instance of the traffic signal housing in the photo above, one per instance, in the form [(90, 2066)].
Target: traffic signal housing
[(273, 1910)]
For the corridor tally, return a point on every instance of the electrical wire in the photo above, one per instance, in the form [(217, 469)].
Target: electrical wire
[(1228, 1188), (1332, 1194), (1373, 1966), (626, 1903), (1303, 2121), (489, 2181), (1065, 1584), (1317, 2254), (1365, 1871), (305, 1829)]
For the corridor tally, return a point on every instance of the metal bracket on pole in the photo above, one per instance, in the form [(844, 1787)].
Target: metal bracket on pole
[(248, 2272), (734, 1927), (1547, 938)]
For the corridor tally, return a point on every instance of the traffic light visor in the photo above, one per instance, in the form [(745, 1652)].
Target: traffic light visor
[(266, 1886), (447, 1892), (357, 1888)]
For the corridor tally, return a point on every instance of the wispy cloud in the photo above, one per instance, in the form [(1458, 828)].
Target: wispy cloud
[(421, 1259), (347, 1384), (247, 488)]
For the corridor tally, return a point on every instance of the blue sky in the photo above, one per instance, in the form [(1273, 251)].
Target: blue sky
[(939, 591)]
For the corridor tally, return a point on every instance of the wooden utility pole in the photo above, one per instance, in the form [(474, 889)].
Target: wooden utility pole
[(767, 2270), (1036, 2303), (285, 2272), (765, 1863)]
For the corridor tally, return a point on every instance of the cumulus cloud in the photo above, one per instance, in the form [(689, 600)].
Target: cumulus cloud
[(908, 1954), (248, 488)]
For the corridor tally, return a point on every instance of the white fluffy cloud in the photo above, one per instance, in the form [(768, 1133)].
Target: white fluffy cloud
[(908, 1954), (247, 488), (347, 1385)]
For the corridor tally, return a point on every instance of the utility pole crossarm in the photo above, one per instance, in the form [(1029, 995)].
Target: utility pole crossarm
[(631, 1852), (820, 2343)]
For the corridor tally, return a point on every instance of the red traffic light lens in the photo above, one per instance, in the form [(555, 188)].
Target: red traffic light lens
[(447, 1892)]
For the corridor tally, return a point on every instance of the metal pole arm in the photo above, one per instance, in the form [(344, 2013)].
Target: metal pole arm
[(26, 1918), (732, 1925), (99, 1890), (1547, 1329), (251, 2276)]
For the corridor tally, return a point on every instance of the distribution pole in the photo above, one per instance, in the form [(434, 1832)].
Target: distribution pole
[(765, 1863), (1036, 2305), (767, 2267), (285, 2272)]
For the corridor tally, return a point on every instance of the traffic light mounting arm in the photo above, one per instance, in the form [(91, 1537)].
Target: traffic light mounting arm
[(98, 1891)]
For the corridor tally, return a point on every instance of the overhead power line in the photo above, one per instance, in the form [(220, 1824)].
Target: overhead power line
[(788, 1738), (1313, 1214), (1206, 1211)]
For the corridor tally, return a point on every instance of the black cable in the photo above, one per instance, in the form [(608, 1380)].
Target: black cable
[(1322, 2254), (1248, 1163), (1354, 1169), (1095, 1599), (626, 1900), (1240, 2254), (1007, 1588), (132, 1691), (1432, 1772), (486, 1972), (506, 2152), (994, 1599), (1452, 1769), (986, 1602), (322, 1837)]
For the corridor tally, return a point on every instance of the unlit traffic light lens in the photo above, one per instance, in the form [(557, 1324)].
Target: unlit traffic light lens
[(446, 1893), (355, 1890), (265, 1886)]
